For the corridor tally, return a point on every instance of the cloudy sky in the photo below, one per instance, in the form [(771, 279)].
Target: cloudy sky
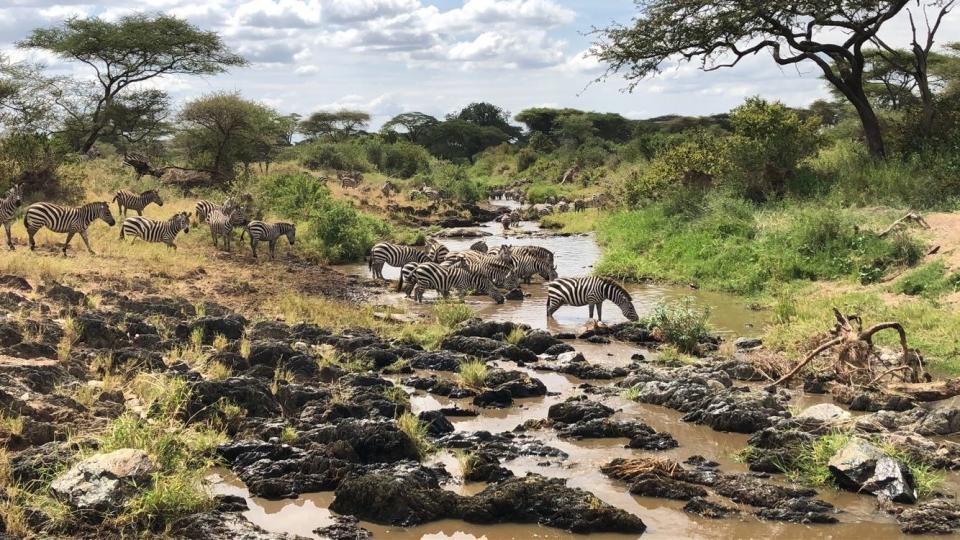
[(434, 56)]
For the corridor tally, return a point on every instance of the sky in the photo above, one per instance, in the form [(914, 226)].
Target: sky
[(433, 56)]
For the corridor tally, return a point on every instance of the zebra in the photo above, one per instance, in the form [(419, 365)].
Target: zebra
[(407, 280), (8, 207), (442, 279), (349, 180), (525, 266), (260, 231), (500, 272), (479, 246), (152, 230), (131, 201), (204, 207), (436, 251), (63, 219), (589, 291), (223, 221), (394, 255), (536, 252), (504, 252)]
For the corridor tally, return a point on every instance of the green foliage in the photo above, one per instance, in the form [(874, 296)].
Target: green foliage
[(809, 466), (680, 323), (929, 281), (336, 125), (340, 156), (416, 429), (474, 373), (454, 182), (450, 314), (332, 229), (400, 159)]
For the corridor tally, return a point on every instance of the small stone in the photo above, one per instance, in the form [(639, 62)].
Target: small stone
[(746, 344), (103, 483), (824, 412)]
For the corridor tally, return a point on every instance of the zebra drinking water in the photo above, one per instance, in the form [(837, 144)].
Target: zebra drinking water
[(525, 266), (152, 230), (432, 276), (131, 201), (64, 219), (394, 255), (260, 231), (8, 207), (589, 291)]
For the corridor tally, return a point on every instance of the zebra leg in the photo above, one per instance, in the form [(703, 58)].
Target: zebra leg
[(67, 243), (30, 233), (140, 212), (273, 249), (83, 235), (7, 226), (590, 307), (600, 310), (253, 246)]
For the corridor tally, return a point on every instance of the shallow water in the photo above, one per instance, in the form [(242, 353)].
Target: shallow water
[(665, 519)]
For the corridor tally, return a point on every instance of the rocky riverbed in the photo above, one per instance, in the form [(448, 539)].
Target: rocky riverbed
[(547, 445)]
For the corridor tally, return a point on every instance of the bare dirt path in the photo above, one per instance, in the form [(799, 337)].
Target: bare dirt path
[(945, 229)]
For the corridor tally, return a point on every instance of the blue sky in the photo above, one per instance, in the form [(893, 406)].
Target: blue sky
[(391, 56)]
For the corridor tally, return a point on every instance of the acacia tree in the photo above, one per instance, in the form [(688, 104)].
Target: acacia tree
[(133, 49), (338, 125), (830, 34), (416, 125)]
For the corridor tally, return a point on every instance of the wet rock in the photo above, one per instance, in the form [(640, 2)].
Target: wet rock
[(517, 383), (395, 498), (62, 294), (484, 467), (641, 435), (559, 349), (252, 395), (15, 282), (573, 363), (223, 526), (505, 446), (538, 341), (576, 410), (939, 516), (860, 466), (514, 294), (940, 421), (746, 344), (493, 399), (437, 361), (371, 441), (708, 509), (858, 399), (799, 511), (487, 329), (458, 412), (344, 528), (101, 484), (277, 471), (471, 345), (548, 502), (940, 454), (825, 412), (515, 354), (653, 485), (437, 423)]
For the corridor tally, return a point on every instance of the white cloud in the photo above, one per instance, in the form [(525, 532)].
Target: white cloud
[(278, 13)]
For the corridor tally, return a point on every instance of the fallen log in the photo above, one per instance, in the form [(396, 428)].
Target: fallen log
[(927, 391), (910, 217)]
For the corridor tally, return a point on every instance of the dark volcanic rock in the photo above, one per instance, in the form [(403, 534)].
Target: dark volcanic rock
[(859, 466), (437, 423), (437, 361), (653, 485), (15, 282), (493, 398), (404, 497), (270, 353), (9, 333), (97, 333), (504, 446), (939, 516), (344, 528), (486, 329), (371, 441), (137, 359), (705, 508), (32, 350), (641, 435), (471, 345), (223, 526), (277, 471), (576, 410), (799, 511), (253, 395), (230, 327), (484, 467), (517, 383), (62, 294), (538, 341)]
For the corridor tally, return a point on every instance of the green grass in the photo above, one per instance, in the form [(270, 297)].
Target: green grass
[(929, 281), (731, 245), (574, 222), (450, 314), (397, 395), (680, 323), (930, 327), (466, 460), (515, 336), (416, 429), (474, 373)]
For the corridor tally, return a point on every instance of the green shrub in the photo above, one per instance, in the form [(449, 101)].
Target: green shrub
[(681, 323), (450, 314), (474, 373), (929, 281), (525, 159), (342, 156), (454, 182), (401, 159)]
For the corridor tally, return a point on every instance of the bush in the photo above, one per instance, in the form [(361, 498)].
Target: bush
[(400, 159), (333, 229), (929, 281), (525, 159), (455, 183), (343, 156), (681, 324)]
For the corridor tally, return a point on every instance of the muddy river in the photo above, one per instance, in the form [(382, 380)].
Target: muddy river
[(575, 256)]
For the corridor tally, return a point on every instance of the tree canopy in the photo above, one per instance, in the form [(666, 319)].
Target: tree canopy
[(337, 125), (488, 115), (133, 49)]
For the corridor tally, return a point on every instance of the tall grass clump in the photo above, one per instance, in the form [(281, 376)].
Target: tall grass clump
[(681, 324), (450, 314), (474, 373), (416, 430)]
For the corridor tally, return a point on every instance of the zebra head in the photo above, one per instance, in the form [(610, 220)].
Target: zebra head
[(181, 221), (479, 246), (15, 194), (291, 232), (550, 273), (151, 196), (101, 210), (505, 253), (511, 281)]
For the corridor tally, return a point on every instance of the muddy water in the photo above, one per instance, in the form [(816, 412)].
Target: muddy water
[(665, 519), (574, 256)]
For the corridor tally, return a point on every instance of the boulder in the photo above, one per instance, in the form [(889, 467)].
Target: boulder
[(708, 509), (939, 516), (398, 498), (437, 423), (63, 294), (577, 410), (654, 485), (223, 526), (270, 353), (746, 344), (493, 398), (538, 341), (253, 395), (97, 333), (824, 412), (102, 484), (859, 466), (230, 327)]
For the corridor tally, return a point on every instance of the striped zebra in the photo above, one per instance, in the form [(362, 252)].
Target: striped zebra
[(152, 230), (204, 207), (536, 252), (525, 266), (589, 291), (223, 221), (432, 276), (436, 251), (131, 201), (498, 271), (407, 280), (8, 208), (64, 219), (260, 231), (394, 255)]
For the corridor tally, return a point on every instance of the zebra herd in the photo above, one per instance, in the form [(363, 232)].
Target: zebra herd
[(222, 219), (488, 270)]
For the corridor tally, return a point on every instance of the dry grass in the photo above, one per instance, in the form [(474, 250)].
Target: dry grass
[(628, 469)]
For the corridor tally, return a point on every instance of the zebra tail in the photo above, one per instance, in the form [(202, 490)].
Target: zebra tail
[(114, 199), (400, 281)]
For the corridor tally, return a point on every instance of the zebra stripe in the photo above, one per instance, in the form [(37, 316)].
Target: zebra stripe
[(223, 221), (8, 208), (261, 231), (432, 276), (131, 201), (436, 251), (151, 230), (589, 291), (394, 255), (63, 219), (537, 252), (525, 266), (407, 280), (204, 207)]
